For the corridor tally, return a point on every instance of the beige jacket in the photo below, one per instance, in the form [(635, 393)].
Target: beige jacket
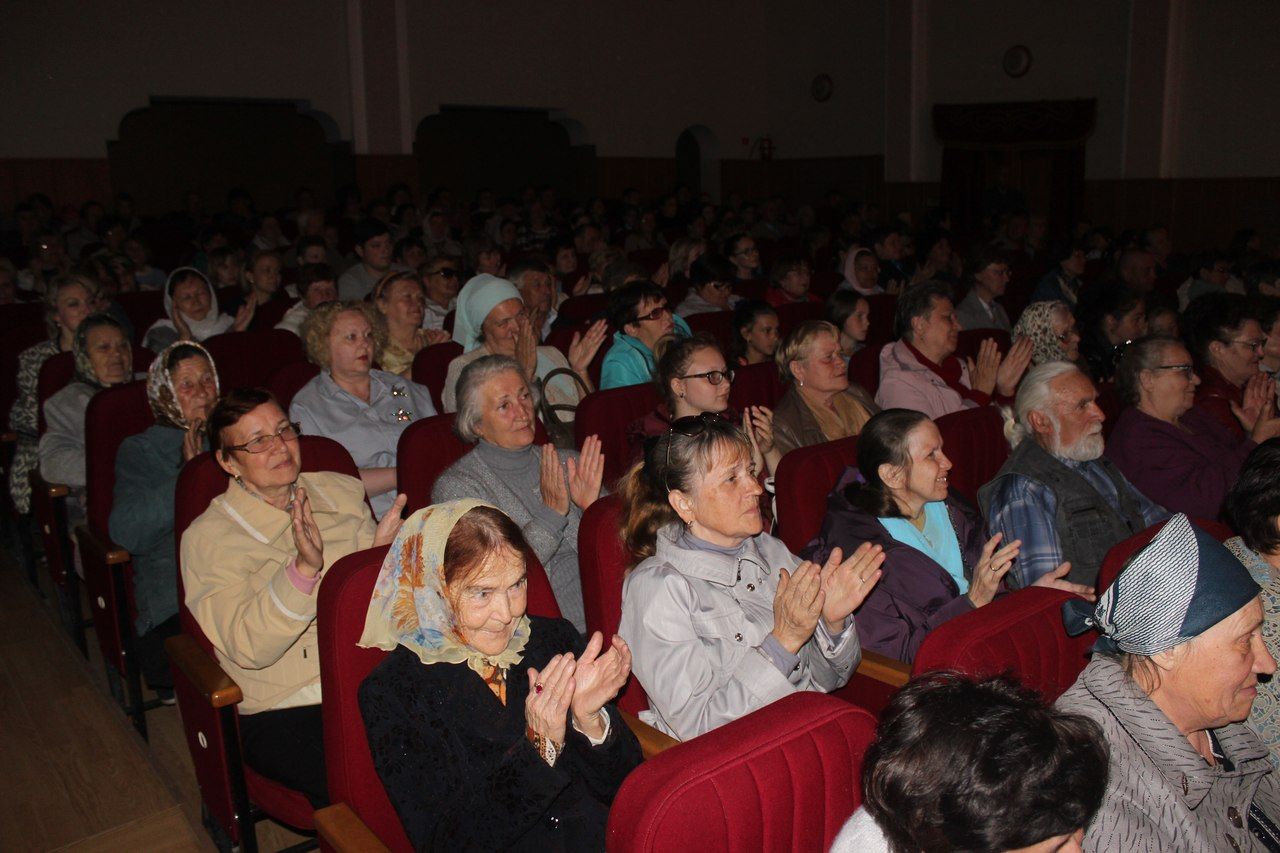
[(233, 569)]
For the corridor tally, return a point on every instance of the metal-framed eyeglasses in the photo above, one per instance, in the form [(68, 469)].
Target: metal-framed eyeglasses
[(263, 443)]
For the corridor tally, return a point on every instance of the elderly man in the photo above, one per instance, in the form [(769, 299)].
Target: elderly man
[(532, 277), (922, 372), (1056, 492)]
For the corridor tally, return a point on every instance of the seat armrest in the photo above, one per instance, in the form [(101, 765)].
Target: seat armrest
[(344, 832), (883, 668), (56, 490), (651, 740), (101, 548), (203, 671)]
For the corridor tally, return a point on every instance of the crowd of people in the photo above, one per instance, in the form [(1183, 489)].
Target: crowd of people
[(1137, 385)]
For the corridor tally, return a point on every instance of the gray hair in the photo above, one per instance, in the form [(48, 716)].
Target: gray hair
[(473, 378), (1142, 354), (1033, 396)]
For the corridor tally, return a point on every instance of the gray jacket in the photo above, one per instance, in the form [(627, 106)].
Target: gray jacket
[(1161, 794), (696, 621), (62, 445), (972, 314)]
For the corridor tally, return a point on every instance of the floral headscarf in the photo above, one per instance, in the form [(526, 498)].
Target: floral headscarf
[(1036, 323), (80, 348), (409, 606), (160, 393)]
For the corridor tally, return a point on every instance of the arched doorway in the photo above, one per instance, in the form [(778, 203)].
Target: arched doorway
[(698, 160)]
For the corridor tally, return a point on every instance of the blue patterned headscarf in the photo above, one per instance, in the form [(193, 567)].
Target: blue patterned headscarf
[(409, 606), (1177, 587)]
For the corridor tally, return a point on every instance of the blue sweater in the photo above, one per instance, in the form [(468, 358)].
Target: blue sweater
[(629, 361)]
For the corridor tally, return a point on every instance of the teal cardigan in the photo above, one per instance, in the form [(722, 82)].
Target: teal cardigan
[(630, 362)]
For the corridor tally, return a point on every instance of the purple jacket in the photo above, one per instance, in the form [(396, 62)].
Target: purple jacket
[(915, 594), (1184, 470)]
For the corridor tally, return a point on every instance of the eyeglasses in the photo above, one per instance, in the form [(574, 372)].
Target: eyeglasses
[(446, 272), (654, 314), (689, 426), (263, 443), (1184, 369), (1063, 337), (748, 251), (1258, 344), (715, 377)]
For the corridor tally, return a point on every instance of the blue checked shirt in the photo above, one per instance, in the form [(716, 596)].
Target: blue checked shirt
[(1023, 509)]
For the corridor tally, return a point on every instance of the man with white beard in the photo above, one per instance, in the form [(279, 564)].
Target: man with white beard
[(1056, 492)]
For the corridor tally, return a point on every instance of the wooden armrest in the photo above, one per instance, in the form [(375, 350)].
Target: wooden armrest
[(203, 671), (56, 490), (100, 548), (651, 740), (883, 668), (344, 832)]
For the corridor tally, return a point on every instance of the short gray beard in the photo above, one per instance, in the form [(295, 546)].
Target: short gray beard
[(1086, 448)]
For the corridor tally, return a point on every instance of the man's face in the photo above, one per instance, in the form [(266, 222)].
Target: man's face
[(1139, 272), (537, 290), (376, 252), (1076, 418)]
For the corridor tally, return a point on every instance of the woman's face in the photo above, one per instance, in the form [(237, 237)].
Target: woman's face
[(195, 387), (939, 330), (723, 507), (320, 292), (403, 303), (762, 335), (940, 253), (745, 257), (1237, 358), (993, 278), (866, 268), (488, 604), (1131, 326), (502, 327), (110, 354), (926, 475), (857, 324), (274, 467), (717, 293), (796, 283), (191, 297), (506, 411), (1271, 352), (1170, 388), (566, 260), (74, 304), (696, 394), (265, 275), (1064, 327), (822, 369), (351, 345), (1074, 263), (228, 272), (1215, 676)]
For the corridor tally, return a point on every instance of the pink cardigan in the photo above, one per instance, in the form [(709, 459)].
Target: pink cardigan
[(905, 383)]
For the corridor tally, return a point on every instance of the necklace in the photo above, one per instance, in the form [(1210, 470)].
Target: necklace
[(920, 528)]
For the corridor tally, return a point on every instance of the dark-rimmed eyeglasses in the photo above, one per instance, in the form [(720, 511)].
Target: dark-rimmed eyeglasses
[(263, 443), (1185, 369), (689, 426), (652, 315), (715, 377)]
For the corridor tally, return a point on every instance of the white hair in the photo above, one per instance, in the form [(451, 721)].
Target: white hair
[(473, 378), (1034, 395)]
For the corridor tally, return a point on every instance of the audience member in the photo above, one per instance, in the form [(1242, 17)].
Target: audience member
[(1110, 318), (683, 253), (542, 489), (1062, 282), (316, 286), (1170, 682), (532, 277), (1052, 332), (373, 246), (641, 319), (191, 309), (710, 287), (861, 272), (778, 624), (1228, 344), (850, 312), (1136, 269), (755, 339), (741, 252), (399, 299), (820, 403), (1210, 272), (363, 409), (789, 280), (1056, 492), (440, 286), (988, 275)]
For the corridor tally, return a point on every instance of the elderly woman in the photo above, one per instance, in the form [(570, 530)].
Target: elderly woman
[(191, 309), (316, 286), (988, 272), (363, 409), (850, 312), (67, 301), (399, 298), (938, 561), (489, 728), (710, 287), (720, 617), (1253, 508), (962, 764), (1052, 331), (820, 404), (1228, 342), (182, 387), (250, 567), (1173, 452), (861, 272), (1171, 680), (756, 324), (544, 490), (921, 371), (491, 320)]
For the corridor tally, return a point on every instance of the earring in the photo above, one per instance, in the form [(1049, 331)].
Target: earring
[(801, 381), (239, 481)]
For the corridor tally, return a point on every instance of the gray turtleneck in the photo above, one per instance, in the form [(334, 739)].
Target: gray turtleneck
[(511, 481)]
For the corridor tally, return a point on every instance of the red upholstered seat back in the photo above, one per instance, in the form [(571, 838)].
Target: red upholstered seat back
[(578, 309), (717, 324), (431, 366), (1120, 554), (864, 368), (785, 777), (113, 415), (607, 414), (971, 339), (756, 385), (792, 315), (246, 359), (1020, 633), (973, 439), (805, 477), (650, 259), (287, 380), (883, 307), (602, 563), (340, 616), (143, 308)]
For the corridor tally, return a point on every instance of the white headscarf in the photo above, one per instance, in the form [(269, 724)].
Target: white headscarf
[(213, 323)]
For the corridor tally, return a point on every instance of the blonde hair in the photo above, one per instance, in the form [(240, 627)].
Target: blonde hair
[(319, 323), (795, 346), (681, 254), (59, 284)]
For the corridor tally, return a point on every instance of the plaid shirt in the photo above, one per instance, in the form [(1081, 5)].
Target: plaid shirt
[(1022, 508)]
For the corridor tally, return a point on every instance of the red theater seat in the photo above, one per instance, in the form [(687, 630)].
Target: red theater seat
[(864, 368), (286, 381), (431, 366), (717, 324), (607, 414), (247, 359), (756, 385), (973, 439), (805, 476), (971, 339)]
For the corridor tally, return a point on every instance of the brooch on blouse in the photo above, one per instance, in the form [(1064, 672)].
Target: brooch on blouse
[(403, 414), (399, 391)]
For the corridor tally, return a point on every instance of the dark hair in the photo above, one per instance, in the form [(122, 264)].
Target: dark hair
[(529, 263), (784, 265), (625, 301), (930, 239), (181, 353), (917, 301), (1142, 354), (1265, 309), (233, 406), (983, 256), (367, 229), (708, 268), (309, 274), (1208, 259), (475, 537), (960, 763), (1102, 302), (841, 304), (884, 232), (675, 361), (404, 244), (616, 274), (883, 441), (307, 242), (1253, 504), (745, 315), (672, 460), (730, 244), (1214, 317)]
